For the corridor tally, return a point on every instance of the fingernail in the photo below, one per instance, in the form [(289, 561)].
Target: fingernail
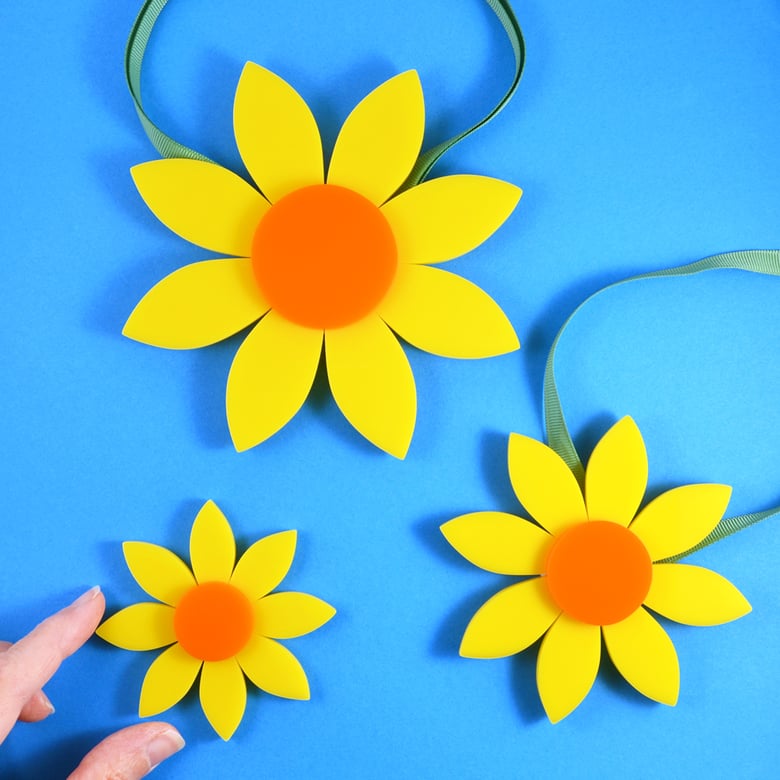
[(46, 703), (163, 746), (85, 598)]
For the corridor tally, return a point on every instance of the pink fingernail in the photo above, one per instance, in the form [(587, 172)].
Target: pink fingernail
[(163, 746), (85, 598)]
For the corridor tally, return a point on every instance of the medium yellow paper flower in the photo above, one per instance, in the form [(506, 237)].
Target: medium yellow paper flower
[(220, 619), (337, 261), (598, 567)]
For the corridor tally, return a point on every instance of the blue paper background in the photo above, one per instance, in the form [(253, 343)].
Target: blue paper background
[(644, 135)]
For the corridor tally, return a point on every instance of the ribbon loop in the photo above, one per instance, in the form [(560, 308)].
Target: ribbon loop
[(168, 147), (761, 261)]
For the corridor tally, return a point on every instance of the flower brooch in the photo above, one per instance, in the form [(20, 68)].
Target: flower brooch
[(218, 618), (595, 567), (341, 263)]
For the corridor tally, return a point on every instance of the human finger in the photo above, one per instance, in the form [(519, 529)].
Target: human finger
[(27, 665), (130, 753), (38, 706)]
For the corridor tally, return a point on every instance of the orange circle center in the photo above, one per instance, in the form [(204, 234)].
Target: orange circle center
[(213, 621), (598, 572), (324, 256)]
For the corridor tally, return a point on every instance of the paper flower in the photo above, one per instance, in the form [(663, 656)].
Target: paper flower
[(599, 567), (334, 260), (220, 619)]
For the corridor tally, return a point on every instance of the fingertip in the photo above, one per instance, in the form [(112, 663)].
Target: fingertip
[(163, 746), (90, 601), (87, 597), (37, 708), (87, 610)]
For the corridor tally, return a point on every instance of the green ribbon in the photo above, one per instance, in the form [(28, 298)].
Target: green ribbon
[(761, 261), (167, 147), (503, 10), (134, 57)]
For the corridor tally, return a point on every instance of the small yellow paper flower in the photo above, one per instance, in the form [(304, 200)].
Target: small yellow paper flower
[(598, 566), (337, 261), (220, 619)]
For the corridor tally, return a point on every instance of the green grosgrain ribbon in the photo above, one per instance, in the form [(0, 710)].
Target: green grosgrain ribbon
[(761, 261), (167, 147)]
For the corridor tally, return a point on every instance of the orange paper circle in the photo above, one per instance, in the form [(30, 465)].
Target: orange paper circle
[(213, 621), (324, 256), (598, 572)]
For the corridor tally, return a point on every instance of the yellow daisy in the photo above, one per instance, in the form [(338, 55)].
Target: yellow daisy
[(599, 566), (338, 262), (219, 618)]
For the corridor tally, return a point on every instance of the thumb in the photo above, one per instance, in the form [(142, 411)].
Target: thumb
[(130, 753)]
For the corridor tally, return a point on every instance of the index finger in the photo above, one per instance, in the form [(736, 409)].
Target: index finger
[(30, 663)]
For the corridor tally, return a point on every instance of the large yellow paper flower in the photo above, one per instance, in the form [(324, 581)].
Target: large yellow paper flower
[(337, 261), (599, 566), (220, 619)]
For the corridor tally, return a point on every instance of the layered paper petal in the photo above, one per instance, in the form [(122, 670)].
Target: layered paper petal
[(212, 546), (643, 653), (444, 218), (499, 542), (379, 142), (274, 669), (445, 314), (270, 378), (544, 484), (372, 383), (694, 595), (265, 564), (567, 665), (680, 518), (144, 626), (163, 575), (223, 695), (616, 477), (202, 202), (276, 134), (510, 621), (287, 615), (167, 680), (198, 305)]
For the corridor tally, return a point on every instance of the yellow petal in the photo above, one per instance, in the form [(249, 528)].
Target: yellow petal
[(643, 653), (616, 477), (197, 305), (144, 626), (545, 485), (447, 217), (680, 518), (510, 621), (276, 133), (223, 695), (380, 140), (274, 669), (270, 378), (499, 542), (446, 314), (212, 546), (567, 665), (202, 202), (265, 564), (163, 575), (372, 383), (694, 595), (287, 615), (167, 681)]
